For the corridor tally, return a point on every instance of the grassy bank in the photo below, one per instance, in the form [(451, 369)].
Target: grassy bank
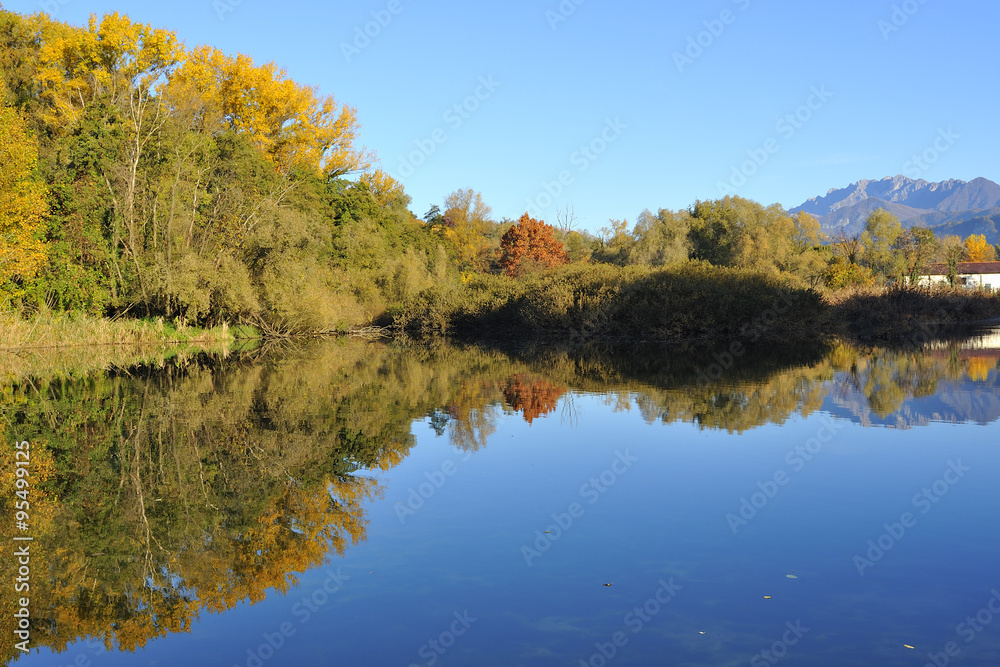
[(70, 329), (55, 345)]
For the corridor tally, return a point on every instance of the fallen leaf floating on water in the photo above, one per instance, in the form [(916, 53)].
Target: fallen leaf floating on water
[(609, 584), (791, 576), (701, 632), (767, 597), (912, 648)]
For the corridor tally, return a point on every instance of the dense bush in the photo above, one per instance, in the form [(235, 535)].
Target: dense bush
[(902, 311), (691, 301)]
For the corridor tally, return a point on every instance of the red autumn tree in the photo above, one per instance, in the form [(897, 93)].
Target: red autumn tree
[(529, 245)]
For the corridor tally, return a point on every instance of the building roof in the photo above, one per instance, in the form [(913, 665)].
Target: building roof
[(964, 268)]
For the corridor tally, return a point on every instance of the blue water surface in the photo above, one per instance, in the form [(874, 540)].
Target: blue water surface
[(595, 535)]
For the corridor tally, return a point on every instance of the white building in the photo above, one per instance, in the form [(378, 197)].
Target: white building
[(971, 275)]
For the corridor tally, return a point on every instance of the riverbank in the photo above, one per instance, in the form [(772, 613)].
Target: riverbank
[(694, 303), (58, 330), (64, 344), (901, 312)]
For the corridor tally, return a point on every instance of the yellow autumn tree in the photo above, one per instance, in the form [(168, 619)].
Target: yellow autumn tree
[(288, 122), (22, 202), (466, 219), (978, 249), (112, 57), (135, 66), (384, 188)]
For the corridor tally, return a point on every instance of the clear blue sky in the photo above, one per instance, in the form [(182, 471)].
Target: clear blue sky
[(612, 64)]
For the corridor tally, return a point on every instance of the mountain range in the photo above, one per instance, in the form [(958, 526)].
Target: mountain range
[(949, 207)]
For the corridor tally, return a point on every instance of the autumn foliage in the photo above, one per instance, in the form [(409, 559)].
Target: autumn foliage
[(22, 202), (288, 122), (533, 397), (142, 175), (978, 249), (467, 220), (135, 66), (529, 245)]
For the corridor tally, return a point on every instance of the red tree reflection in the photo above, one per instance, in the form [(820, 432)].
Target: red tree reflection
[(532, 397)]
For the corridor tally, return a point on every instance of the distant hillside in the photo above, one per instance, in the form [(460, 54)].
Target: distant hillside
[(949, 207)]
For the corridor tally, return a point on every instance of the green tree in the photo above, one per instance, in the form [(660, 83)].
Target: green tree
[(882, 230), (744, 234), (661, 240), (615, 243), (916, 248), (715, 227), (804, 256), (951, 251), (578, 246), (467, 219), (433, 217)]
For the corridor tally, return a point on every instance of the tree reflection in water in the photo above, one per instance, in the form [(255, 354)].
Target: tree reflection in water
[(192, 486)]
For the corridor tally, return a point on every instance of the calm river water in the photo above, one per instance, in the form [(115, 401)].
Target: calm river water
[(356, 503)]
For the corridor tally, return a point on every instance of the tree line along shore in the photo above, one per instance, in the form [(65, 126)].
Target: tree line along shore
[(144, 182)]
